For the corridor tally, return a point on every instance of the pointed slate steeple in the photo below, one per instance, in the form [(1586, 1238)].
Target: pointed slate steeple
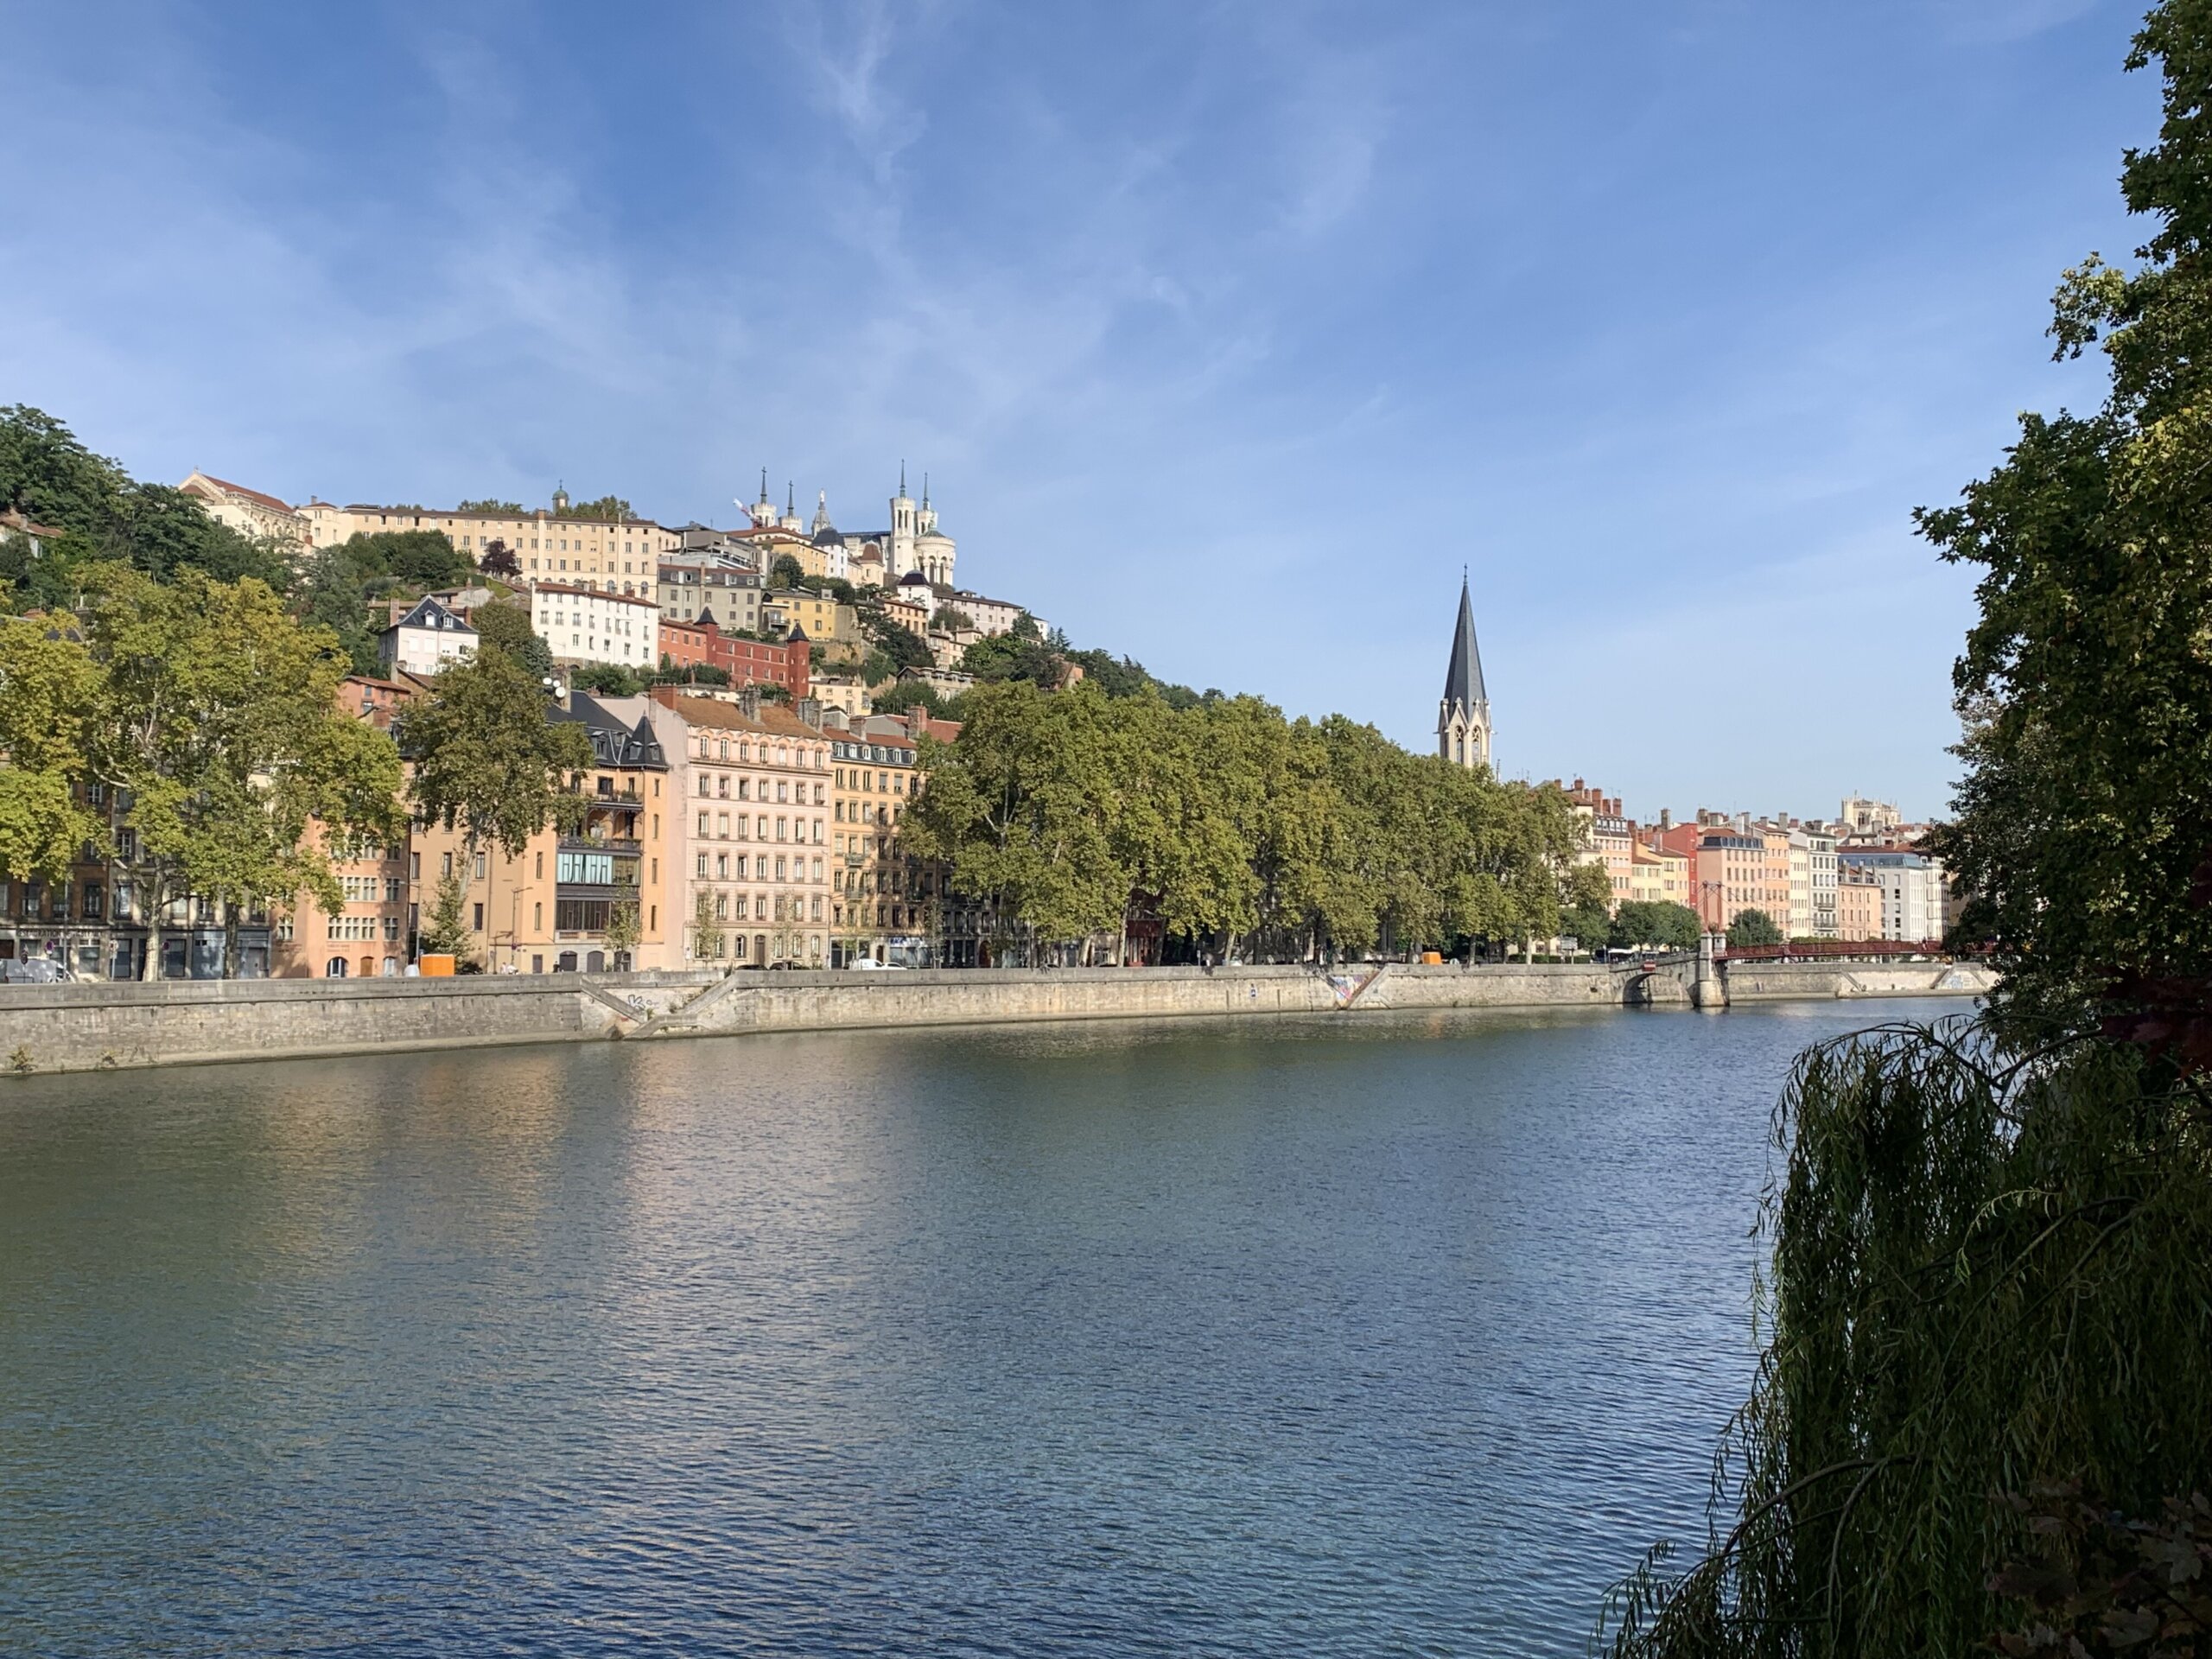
[(1463, 730)]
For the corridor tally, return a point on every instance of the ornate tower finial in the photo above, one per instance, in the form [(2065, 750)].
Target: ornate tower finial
[(902, 478), (925, 489), (763, 486), (791, 499)]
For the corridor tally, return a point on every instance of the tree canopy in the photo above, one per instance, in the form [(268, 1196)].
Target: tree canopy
[(1074, 813), (486, 760), (51, 479), (211, 718), (1989, 1303), (1668, 925), (1753, 927), (503, 627), (2083, 827)]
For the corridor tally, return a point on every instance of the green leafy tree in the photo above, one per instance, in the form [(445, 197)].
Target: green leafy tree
[(706, 931), (50, 478), (1993, 1240), (1751, 927), (1586, 905), (420, 559), (331, 597), (2084, 815), (448, 932), (951, 618), (49, 691), (612, 508), (785, 573), (1663, 923), (1072, 815), (505, 628), (623, 931), (607, 680), (501, 509), (218, 717), (487, 758), (1012, 656)]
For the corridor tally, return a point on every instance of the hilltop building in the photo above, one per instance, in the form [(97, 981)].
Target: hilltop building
[(876, 558)]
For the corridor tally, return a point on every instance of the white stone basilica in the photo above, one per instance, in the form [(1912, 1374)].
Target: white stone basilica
[(912, 545)]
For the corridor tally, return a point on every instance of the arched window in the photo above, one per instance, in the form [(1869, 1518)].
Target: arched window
[(334, 968)]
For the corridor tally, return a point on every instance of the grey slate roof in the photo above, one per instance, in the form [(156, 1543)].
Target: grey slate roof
[(1463, 680)]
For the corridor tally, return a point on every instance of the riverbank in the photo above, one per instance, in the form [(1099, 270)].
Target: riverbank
[(84, 1027)]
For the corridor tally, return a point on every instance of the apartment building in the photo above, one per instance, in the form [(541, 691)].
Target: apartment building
[(1813, 852), (424, 639), (586, 897), (1858, 906), (1657, 875), (1912, 889), (689, 592), (702, 643), (1608, 838), (582, 626), (749, 876), (603, 556)]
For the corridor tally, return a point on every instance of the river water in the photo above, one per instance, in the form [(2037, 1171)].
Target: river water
[(1392, 1334)]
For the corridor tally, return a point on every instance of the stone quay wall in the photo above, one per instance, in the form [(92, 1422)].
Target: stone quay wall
[(80, 1028)]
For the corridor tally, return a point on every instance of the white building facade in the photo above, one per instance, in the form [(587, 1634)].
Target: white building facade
[(1913, 891), (581, 625), (425, 640)]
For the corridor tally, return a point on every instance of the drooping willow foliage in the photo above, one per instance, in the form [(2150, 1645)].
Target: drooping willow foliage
[(1992, 1270)]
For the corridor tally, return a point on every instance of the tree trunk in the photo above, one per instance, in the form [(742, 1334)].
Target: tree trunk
[(151, 968), (229, 940)]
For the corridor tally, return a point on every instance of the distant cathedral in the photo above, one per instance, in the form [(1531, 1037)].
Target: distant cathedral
[(1463, 718), (913, 546)]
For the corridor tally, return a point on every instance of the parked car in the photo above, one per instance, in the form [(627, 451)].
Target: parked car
[(33, 970), (868, 964)]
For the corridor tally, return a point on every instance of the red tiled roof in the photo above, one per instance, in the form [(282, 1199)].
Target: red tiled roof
[(256, 495)]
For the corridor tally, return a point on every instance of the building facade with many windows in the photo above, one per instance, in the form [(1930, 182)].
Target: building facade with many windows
[(749, 883)]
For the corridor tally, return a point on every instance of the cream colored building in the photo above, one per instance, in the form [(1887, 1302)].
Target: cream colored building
[(1657, 875), (603, 556), (581, 625), (250, 512)]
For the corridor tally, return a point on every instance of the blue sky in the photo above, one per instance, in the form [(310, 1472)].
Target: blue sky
[(1226, 332)]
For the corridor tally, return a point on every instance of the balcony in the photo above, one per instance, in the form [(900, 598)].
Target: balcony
[(600, 844)]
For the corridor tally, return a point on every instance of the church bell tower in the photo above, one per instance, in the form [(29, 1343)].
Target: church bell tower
[(1463, 718)]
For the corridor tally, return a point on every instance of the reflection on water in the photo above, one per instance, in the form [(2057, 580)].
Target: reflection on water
[(1329, 1336)]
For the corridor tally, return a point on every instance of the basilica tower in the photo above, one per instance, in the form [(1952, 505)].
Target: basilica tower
[(1463, 718)]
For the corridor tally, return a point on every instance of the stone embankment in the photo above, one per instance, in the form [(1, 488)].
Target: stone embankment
[(180, 1022)]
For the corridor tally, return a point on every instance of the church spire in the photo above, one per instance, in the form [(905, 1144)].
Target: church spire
[(902, 481), (1462, 728)]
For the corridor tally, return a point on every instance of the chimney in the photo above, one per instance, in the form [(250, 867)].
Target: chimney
[(748, 701), (1666, 817), (810, 710), (663, 695), (918, 720)]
